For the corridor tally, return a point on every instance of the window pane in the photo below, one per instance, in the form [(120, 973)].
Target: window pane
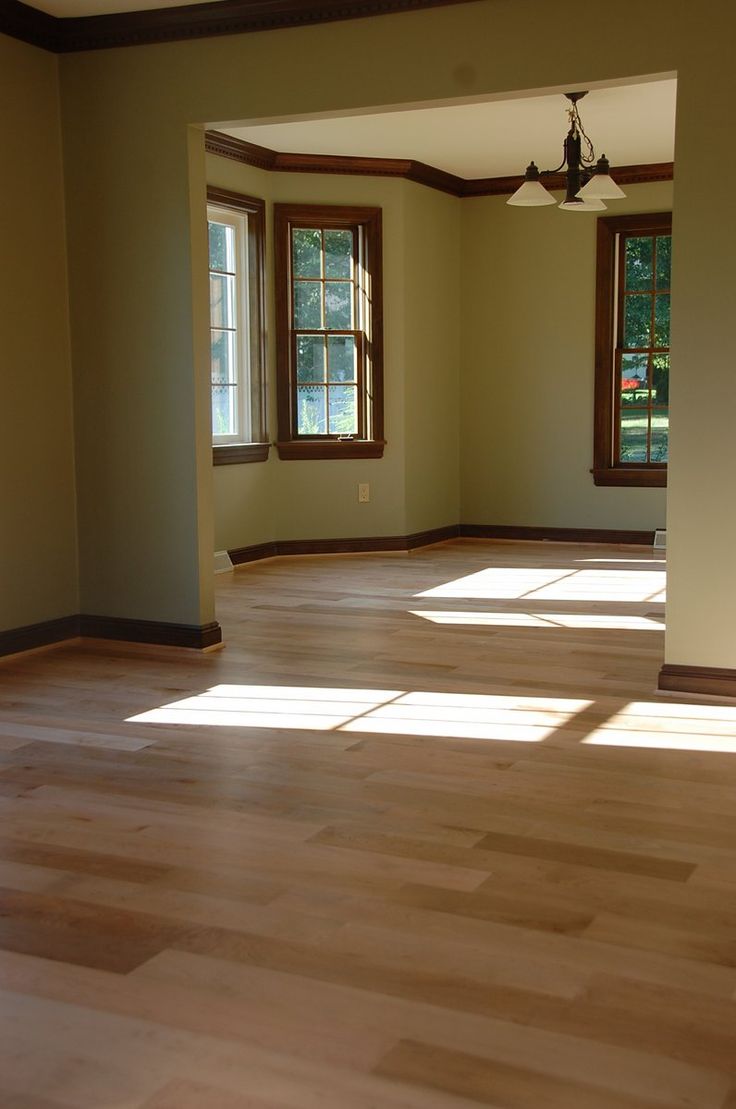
[(664, 261), (222, 247), (310, 358), (307, 252), (660, 434), (223, 410), (639, 259), (633, 446), (223, 356), (311, 410), (343, 410), (339, 304), (637, 320), (662, 320), (341, 358), (634, 386), (222, 300), (661, 379), (338, 253), (307, 304)]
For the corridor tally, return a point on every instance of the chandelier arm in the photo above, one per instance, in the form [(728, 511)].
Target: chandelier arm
[(562, 164)]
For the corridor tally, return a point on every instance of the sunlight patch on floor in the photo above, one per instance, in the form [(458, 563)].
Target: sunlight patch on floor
[(669, 726), (394, 712), (634, 561), (502, 582), (543, 620)]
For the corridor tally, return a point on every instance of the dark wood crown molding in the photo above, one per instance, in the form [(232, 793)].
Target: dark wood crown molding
[(262, 157), (28, 24), (191, 21)]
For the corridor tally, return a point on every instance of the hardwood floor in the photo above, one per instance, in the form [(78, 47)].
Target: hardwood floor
[(423, 836)]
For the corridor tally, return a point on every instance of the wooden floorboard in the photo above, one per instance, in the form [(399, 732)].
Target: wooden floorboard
[(423, 836)]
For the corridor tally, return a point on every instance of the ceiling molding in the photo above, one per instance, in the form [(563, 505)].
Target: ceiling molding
[(29, 25), (238, 150), (189, 21)]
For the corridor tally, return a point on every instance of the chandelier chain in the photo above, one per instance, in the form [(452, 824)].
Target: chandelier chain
[(576, 124)]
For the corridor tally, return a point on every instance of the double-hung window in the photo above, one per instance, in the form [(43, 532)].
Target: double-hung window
[(633, 350), (236, 267), (329, 331)]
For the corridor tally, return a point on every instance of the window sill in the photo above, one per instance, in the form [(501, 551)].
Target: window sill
[(294, 449), (231, 453), (620, 475)]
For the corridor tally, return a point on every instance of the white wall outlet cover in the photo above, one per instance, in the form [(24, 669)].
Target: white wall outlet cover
[(660, 539)]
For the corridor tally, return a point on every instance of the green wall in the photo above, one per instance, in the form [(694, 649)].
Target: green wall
[(431, 309), (528, 325), (487, 303), (134, 180), (38, 544), (415, 485)]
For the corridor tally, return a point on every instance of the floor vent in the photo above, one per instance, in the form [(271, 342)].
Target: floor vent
[(222, 562), (660, 539)]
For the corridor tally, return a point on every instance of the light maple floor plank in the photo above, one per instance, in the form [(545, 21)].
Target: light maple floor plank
[(423, 836)]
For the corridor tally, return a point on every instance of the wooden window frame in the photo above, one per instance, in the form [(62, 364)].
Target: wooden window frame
[(256, 449), (607, 470), (366, 223)]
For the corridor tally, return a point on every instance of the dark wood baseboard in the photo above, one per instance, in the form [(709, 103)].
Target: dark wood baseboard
[(198, 636), (557, 535), (714, 681), (366, 544), (32, 636)]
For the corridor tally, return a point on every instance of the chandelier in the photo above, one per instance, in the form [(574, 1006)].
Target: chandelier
[(589, 182)]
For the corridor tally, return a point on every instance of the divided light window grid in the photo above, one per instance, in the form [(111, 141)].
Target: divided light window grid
[(643, 348), (329, 331), (228, 343), (632, 349), (236, 240), (326, 335)]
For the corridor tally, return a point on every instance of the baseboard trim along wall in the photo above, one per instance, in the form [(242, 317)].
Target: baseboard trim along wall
[(32, 636), (713, 681), (368, 544), (378, 543), (557, 535), (198, 636)]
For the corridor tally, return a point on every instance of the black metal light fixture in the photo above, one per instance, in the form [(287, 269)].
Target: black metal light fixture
[(589, 181)]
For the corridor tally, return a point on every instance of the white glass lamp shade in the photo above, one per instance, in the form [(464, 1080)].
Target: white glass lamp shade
[(583, 205), (601, 185), (532, 193)]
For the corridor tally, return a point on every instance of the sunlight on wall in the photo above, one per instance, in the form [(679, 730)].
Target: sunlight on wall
[(395, 712), (556, 585), (544, 620)]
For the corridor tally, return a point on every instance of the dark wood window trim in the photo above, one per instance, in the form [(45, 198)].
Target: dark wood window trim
[(366, 222), (257, 450), (606, 469)]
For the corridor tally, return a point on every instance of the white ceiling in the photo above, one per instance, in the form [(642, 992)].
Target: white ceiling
[(631, 124)]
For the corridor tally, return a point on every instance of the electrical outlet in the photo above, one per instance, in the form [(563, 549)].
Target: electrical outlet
[(364, 492)]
